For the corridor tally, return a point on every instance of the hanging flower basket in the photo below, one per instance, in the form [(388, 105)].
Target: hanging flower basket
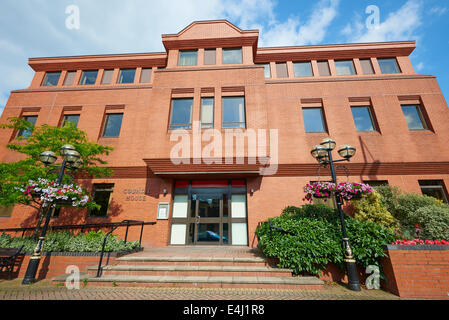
[(50, 193), (319, 190), (353, 191)]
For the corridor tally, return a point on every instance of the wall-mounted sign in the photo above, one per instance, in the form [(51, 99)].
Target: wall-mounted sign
[(134, 194), (162, 210)]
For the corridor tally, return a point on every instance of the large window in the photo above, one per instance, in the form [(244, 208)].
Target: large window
[(323, 68), (112, 125), (51, 79), (414, 117), (313, 120), (88, 77), (102, 196), (389, 65), (210, 56), (107, 76), (69, 78), (181, 113), (145, 76), (281, 70), (207, 113), (267, 70), (345, 67), (73, 118), (232, 55), (127, 76), (363, 118), (188, 58), (233, 112), (367, 66), (376, 183), (27, 132), (303, 69), (434, 188)]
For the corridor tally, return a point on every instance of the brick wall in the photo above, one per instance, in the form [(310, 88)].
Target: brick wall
[(417, 271)]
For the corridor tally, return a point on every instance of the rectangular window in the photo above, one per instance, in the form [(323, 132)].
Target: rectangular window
[(102, 196), (376, 183), (232, 55), (73, 118), (181, 113), (89, 77), (323, 68), (363, 118), (6, 212), (107, 76), (267, 70), (281, 70), (414, 117), (303, 69), (51, 79), (145, 76), (388, 65), (367, 66), (112, 125), (233, 112), (207, 113), (69, 78), (127, 76), (188, 58), (210, 56), (313, 120), (345, 67), (434, 188), (27, 132)]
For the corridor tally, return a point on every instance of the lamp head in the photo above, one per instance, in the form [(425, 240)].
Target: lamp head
[(47, 157), (66, 148), (329, 144), (71, 156), (346, 151), (318, 152)]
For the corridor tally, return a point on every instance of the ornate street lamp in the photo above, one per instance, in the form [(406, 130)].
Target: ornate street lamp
[(71, 160), (323, 154)]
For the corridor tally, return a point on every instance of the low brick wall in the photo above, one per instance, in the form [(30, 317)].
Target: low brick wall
[(417, 271), (55, 264)]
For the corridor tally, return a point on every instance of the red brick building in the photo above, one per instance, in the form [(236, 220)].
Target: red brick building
[(214, 76)]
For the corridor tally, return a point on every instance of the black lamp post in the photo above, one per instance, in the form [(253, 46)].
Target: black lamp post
[(323, 154), (72, 161)]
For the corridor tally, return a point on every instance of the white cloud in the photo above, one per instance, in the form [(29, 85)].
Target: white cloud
[(399, 25), (439, 11), (420, 66), (295, 32)]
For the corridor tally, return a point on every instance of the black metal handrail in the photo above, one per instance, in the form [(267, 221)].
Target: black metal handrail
[(128, 223), (279, 229)]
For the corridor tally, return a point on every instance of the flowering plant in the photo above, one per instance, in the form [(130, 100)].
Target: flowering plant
[(419, 241), (350, 191), (319, 190), (52, 193)]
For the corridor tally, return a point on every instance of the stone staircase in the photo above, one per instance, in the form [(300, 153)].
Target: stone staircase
[(206, 267)]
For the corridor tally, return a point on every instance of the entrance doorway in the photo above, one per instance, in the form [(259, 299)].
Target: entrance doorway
[(209, 213)]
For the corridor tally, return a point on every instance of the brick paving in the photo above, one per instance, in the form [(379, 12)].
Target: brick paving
[(44, 290)]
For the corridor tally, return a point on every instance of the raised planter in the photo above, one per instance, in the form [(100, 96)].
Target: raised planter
[(417, 271)]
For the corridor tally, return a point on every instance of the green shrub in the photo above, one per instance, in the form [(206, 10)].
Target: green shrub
[(389, 197), (318, 239), (433, 220), (372, 209)]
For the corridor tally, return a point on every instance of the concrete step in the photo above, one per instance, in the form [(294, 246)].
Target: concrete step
[(311, 283), (187, 270), (192, 261)]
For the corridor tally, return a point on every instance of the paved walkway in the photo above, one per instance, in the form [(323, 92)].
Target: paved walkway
[(43, 290)]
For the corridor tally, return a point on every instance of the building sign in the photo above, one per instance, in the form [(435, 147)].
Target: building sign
[(134, 194)]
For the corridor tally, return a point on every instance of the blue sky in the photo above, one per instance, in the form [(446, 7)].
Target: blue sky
[(37, 28)]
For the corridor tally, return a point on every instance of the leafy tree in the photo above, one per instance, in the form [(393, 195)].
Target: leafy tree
[(29, 167)]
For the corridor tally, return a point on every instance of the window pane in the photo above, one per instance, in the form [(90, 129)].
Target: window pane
[(113, 125), (27, 133), (233, 55), (388, 65), (207, 113), (145, 76), (345, 67), (73, 118), (69, 78), (434, 188), (127, 76), (101, 195), (313, 120), (210, 56), (414, 117), (267, 70), (181, 114), (367, 67), (51, 79), (323, 68), (89, 77), (281, 70), (107, 76), (303, 69), (233, 112), (362, 118), (188, 58)]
